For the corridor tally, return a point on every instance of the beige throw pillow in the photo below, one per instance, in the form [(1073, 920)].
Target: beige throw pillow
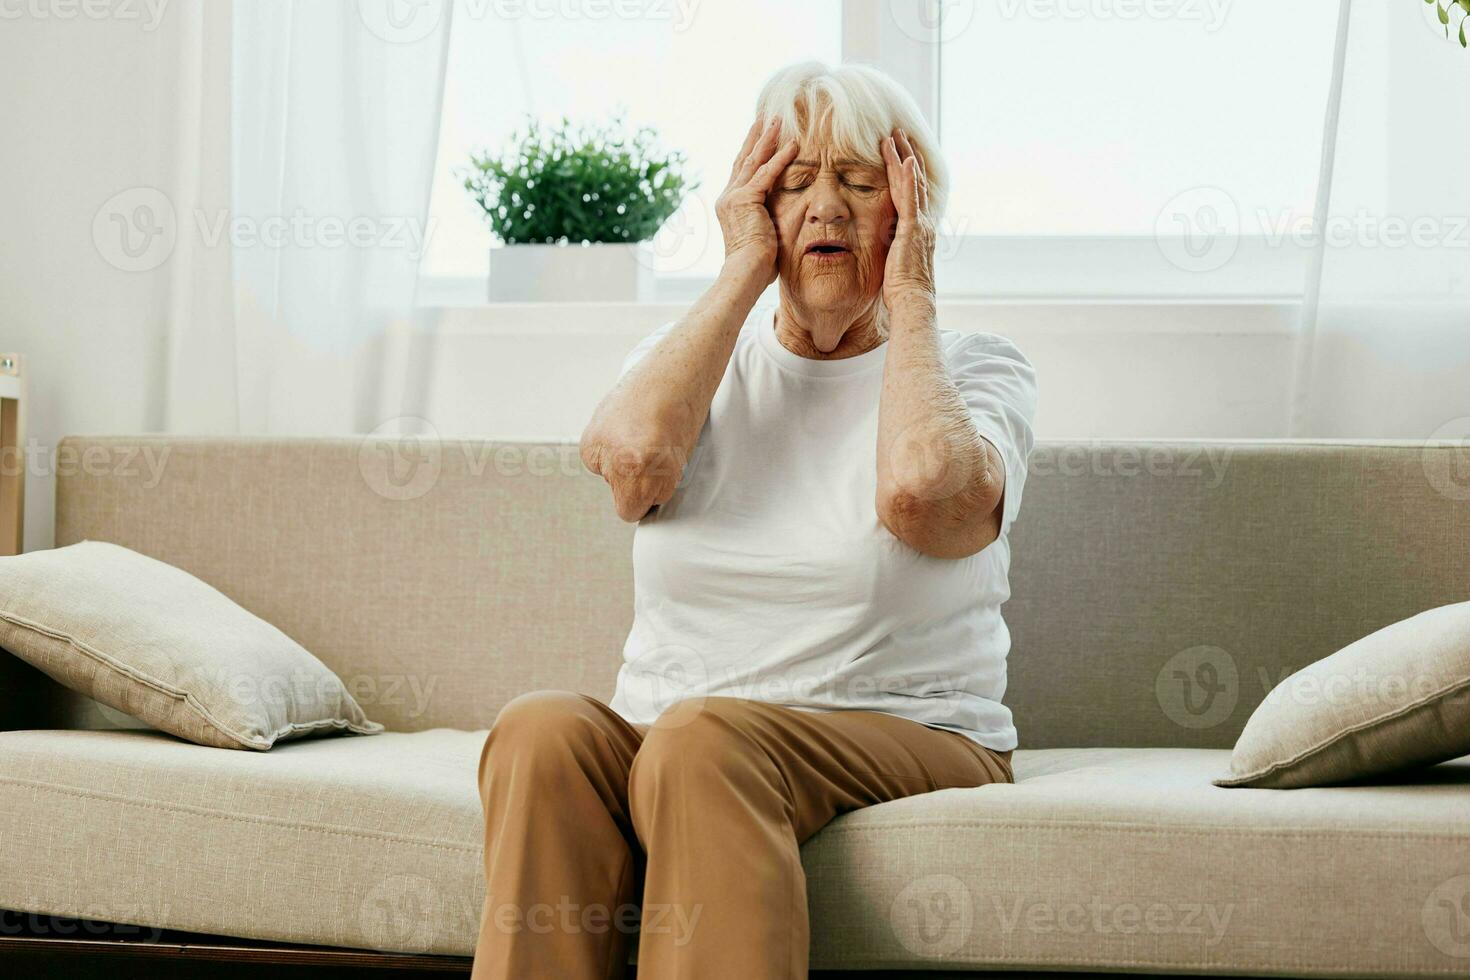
[(1397, 698), (156, 643)]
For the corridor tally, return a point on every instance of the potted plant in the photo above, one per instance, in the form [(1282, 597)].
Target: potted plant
[(1446, 10), (574, 208)]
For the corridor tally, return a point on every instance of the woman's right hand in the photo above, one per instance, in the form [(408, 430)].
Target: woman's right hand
[(750, 234)]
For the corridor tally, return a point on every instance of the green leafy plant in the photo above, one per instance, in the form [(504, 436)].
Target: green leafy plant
[(1444, 8), (585, 183)]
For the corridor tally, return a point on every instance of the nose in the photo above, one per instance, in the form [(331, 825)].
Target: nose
[(827, 205)]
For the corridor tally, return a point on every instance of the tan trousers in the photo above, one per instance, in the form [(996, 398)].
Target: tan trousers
[(685, 832)]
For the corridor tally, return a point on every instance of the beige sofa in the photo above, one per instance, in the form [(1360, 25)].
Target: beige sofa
[(1160, 591)]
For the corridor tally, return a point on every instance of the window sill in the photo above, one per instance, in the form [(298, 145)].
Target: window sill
[(1034, 271), (1263, 316)]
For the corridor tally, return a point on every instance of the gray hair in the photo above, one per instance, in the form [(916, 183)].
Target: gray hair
[(853, 107)]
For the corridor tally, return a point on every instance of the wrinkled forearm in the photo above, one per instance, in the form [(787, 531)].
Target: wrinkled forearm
[(644, 430), (939, 482)]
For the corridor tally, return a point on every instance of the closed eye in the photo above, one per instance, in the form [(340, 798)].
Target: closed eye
[(861, 181), (803, 182)]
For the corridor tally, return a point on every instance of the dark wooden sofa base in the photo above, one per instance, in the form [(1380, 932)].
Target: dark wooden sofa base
[(45, 947)]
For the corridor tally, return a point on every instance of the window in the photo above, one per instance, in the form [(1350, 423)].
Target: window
[(1121, 145), (691, 70), (1098, 148)]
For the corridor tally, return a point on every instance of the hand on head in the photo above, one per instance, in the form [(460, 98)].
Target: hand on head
[(750, 233)]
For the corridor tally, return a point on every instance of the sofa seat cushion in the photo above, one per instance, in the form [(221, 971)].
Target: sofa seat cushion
[(363, 842), (1109, 859), (1130, 860)]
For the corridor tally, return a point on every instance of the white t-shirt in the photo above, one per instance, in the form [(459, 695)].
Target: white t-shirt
[(769, 576)]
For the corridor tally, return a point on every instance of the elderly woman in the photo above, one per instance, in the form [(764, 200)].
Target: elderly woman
[(823, 487)]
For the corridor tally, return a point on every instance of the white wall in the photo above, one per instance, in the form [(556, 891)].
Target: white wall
[(1145, 370), (87, 113), (1116, 370)]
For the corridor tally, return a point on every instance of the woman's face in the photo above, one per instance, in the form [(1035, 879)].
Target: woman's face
[(834, 221)]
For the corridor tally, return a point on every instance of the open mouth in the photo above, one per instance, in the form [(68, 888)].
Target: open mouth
[(827, 247)]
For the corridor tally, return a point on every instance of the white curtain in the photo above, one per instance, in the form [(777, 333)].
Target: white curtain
[(198, 376), (1385, 349), (211, 210), (335, 118)]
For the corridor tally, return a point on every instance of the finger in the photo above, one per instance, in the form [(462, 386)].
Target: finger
[(766, 176), (921, 194), (761, 152), (900, 183), (923, 175), (905, 145), (751, 135), (906, 200), (921, 184), (751, 159), (891, 163)]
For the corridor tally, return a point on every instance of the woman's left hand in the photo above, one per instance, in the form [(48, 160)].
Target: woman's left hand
[(909, 272)]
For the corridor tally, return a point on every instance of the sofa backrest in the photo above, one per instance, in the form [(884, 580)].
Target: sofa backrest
[(1159, 590)]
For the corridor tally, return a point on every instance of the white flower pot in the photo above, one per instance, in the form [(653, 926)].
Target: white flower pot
[(604, 271)]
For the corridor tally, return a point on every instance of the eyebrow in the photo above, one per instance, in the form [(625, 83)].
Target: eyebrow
[(839, 163)]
